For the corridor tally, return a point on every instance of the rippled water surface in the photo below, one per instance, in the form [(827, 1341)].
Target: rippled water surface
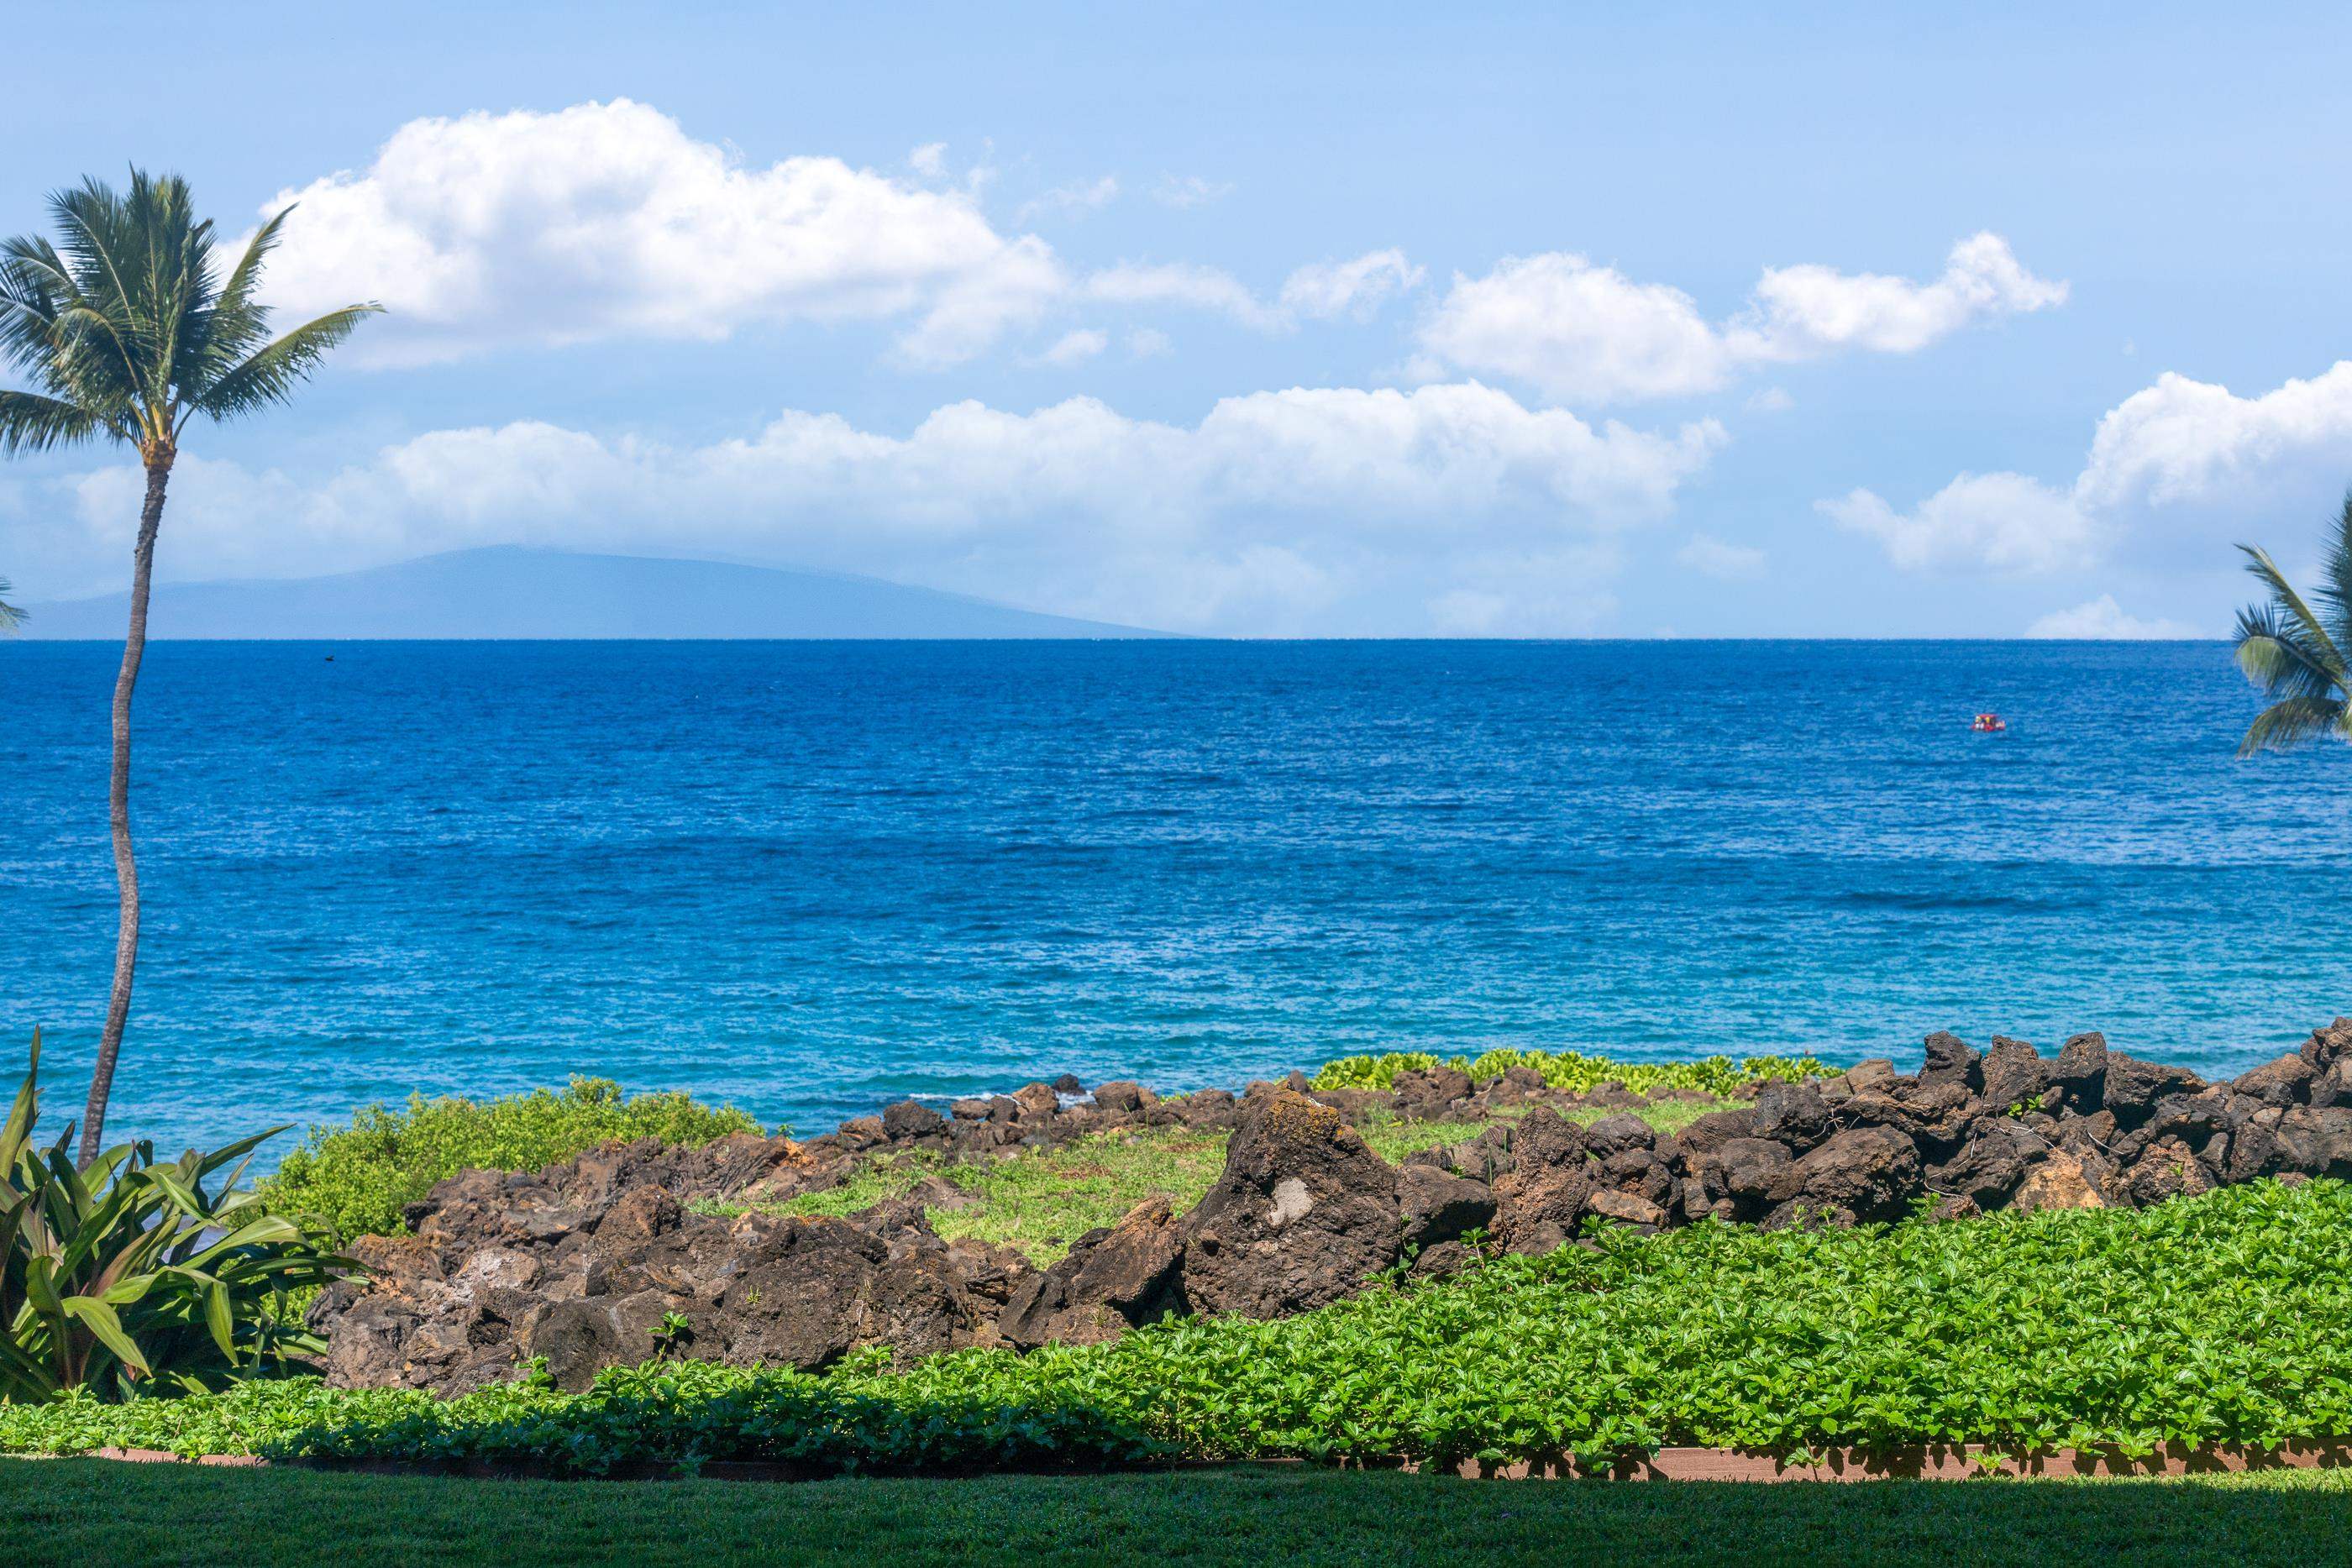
[(812, 877)]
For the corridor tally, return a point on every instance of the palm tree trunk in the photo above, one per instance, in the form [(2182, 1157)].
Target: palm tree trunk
[(118, 794)]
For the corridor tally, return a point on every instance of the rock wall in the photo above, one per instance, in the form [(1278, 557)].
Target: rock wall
[(599, 1261)]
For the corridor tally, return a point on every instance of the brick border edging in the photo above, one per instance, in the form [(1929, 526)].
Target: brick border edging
[(1947, 1463), (1951, 1462)]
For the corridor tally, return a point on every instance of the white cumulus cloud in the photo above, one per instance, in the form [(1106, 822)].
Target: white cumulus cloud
[(1301, 509), (1359, 288), (1075, 348), (607, 219), (2005, 522), (1187, 284), (1585, 333), (2102, 620), (2176, 473)]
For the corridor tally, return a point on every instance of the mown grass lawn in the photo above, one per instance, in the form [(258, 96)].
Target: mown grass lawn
[(1040, 1201), (92, 1512)]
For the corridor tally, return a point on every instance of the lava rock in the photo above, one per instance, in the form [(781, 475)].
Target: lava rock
[(2013, 1074), (907, 1119), (1112, 1280), (1437, 1205), (1873, 1173), (1303, 1215)]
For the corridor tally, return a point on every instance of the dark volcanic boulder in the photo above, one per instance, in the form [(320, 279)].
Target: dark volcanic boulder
[(1751, 1175), (2329, 1046), (2133, 1087), (1715, 1129), (1793, 1113), (1861, 1174), (1988, 1168), (1433, 1087), (907, 1119), (1629, 1208), (1950, 1058), (2314, 1141), (1619, 1134), (1934, 1111), (2013, 1074), (1122, 1098), (2081, 1072), (581, 1336), (1438, 1206), (2286, 1081), (1303, 1215), (1541, 1202), (2332, 1084), (2168, 1169), (804, 1293), (1111, 1282)]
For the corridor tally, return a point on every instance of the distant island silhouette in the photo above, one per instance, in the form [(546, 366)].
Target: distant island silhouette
[(515, 590)]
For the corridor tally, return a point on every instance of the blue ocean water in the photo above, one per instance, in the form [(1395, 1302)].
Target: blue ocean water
[(811, 878)]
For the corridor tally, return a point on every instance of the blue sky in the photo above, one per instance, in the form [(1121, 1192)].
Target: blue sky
[(1393, 321)]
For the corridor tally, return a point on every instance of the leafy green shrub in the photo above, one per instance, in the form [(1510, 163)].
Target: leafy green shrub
[(2221, 1319), (1574, 1071), (357, 1179), (131, 1276)]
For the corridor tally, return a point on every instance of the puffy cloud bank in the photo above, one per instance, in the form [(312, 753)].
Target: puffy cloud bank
[(2176, 473), (607, 219), (1296, 509), (1587, 334)]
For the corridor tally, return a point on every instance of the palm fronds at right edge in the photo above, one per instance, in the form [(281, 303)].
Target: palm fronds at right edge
[(2294, 652)]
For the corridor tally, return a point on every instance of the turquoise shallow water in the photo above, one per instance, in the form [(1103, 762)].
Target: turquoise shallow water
[(814, 877)]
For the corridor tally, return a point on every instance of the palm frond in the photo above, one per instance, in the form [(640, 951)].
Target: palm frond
[(272, 372), (2335, 592), (31, 422), (235, 323), (10, 616), (2295, 613), (2274, 655), (2294, 719), (125, 325)]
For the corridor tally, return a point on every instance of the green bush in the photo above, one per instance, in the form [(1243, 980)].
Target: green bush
[(1573, 1072), (2221, 1319), (131, 1276), (357, 1179)]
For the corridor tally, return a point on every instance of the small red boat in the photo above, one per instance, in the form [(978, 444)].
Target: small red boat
[(1988, 723)]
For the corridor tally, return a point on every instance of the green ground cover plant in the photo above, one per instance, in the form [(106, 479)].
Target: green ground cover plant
[(1573, 1072), (91, 1511), (357, 1179), (2221, 1319), (1042, 1200)]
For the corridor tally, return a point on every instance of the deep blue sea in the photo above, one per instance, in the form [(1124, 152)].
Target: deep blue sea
[(811, 878)]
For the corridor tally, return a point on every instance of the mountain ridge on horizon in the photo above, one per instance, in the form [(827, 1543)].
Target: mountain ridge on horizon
[(493, 592)]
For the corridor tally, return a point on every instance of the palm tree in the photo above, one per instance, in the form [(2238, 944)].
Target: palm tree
[(10, 616), (2296, 656), (129, 330)]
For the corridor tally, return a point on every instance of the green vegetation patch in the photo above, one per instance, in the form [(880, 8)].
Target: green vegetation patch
[(1040, 1201), (88, 1511), (1573, 1072), (357, 1179), (2221, 1319)]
